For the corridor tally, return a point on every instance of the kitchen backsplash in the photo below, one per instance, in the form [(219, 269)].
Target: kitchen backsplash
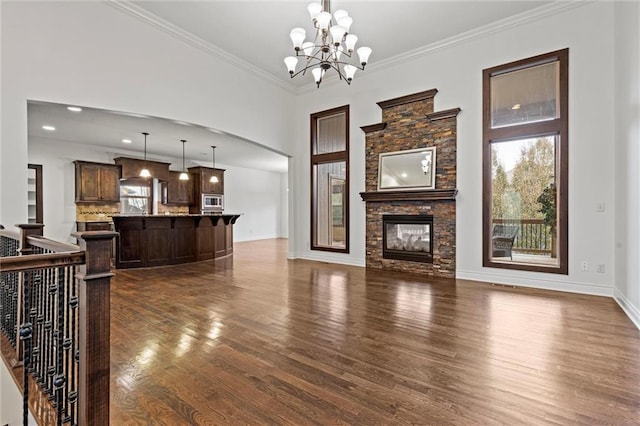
[(172, 209), (96, 212)]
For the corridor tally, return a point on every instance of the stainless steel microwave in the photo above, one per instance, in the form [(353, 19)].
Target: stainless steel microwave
[(212, 202)]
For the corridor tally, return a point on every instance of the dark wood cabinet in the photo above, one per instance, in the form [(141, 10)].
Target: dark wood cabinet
[(179, 191), (97, 182), (131, 168), (209, 187), (202, 185)]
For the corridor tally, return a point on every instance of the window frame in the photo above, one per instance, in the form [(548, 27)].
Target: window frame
[(324, 158), (558, 127)]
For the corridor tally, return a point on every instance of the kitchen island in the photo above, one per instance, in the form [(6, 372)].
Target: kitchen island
[(158, 240)]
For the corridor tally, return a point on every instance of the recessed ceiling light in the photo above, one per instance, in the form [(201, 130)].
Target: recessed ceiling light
[(49, 128), (74, 108), (516, 106), (126, 140), (404, 175)]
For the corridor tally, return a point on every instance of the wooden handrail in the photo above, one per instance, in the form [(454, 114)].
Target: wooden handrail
[(41, 261), (51, 245)]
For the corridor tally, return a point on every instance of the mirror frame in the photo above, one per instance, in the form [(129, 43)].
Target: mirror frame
[(429, 181)]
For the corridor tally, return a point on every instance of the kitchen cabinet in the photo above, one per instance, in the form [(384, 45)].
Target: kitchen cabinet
[(131, 168), (97, 182), (179, 191), (202, 185)]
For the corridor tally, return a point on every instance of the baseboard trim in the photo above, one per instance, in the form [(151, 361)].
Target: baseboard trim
[(566, 286), (632, 312), (328, 257)]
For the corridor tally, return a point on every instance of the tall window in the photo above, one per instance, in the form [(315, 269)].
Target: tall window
[(135, 196), (330, 180), (525, 164)]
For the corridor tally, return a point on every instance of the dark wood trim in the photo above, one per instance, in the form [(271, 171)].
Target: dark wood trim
[(373, 127), (315, 160), (559, 128), (415, 97), (441, 115), (420, 195), (39, 199)]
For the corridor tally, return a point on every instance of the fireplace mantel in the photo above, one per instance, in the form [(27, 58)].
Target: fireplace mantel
[(418, 195)]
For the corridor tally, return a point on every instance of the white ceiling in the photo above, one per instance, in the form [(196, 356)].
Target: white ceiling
[(257, 32), (255, 35)]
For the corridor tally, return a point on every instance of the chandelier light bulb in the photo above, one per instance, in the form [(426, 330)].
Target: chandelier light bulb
[(363, 54), (297, 37), (317, 74), (337, 32), (314, 10), (350, 42), (349, 71), (144, 173), (291, 62), (324, 19)]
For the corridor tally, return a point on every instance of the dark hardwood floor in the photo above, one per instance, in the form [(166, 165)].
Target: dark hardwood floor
[(258, 339)]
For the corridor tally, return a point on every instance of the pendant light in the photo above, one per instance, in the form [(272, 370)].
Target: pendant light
[(144, 173), (214, 178), (183, 175)]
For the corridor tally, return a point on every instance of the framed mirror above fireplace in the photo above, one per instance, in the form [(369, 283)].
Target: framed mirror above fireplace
[(407, 170)]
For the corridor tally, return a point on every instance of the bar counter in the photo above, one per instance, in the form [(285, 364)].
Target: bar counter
[(158, 240)]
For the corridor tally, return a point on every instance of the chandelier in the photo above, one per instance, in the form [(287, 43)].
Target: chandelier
[(332, 46)]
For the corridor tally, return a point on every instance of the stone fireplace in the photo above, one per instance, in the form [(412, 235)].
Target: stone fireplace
[(412, 230)]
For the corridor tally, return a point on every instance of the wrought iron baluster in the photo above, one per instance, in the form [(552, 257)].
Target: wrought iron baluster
[(59, 380), (26, 331), (75, 350)]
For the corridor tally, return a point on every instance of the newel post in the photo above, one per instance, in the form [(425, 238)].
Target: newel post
[(94, 278)]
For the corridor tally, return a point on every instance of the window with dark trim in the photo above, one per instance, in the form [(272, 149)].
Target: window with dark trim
[(525, 164), (330, 180), (135, 196)]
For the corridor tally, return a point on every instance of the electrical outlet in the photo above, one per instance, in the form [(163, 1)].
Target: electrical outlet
[(584, 266), (601, 207), (600, 268)]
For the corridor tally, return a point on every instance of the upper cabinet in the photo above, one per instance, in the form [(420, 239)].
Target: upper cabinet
[(209, 187), (131, 167), (97, 182), (179, 191), (202, 180)]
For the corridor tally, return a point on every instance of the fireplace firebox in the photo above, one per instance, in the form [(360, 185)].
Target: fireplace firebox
[(408, 237)]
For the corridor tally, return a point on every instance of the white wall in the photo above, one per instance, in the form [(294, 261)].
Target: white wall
[(258, 196), (456, 71), (627, 157), (90, 53), (254, 193)]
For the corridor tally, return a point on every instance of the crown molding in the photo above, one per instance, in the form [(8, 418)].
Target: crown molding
[(195, 41), (491, 28)]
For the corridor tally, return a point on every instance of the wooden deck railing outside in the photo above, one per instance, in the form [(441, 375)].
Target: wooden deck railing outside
[(54, 304)]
